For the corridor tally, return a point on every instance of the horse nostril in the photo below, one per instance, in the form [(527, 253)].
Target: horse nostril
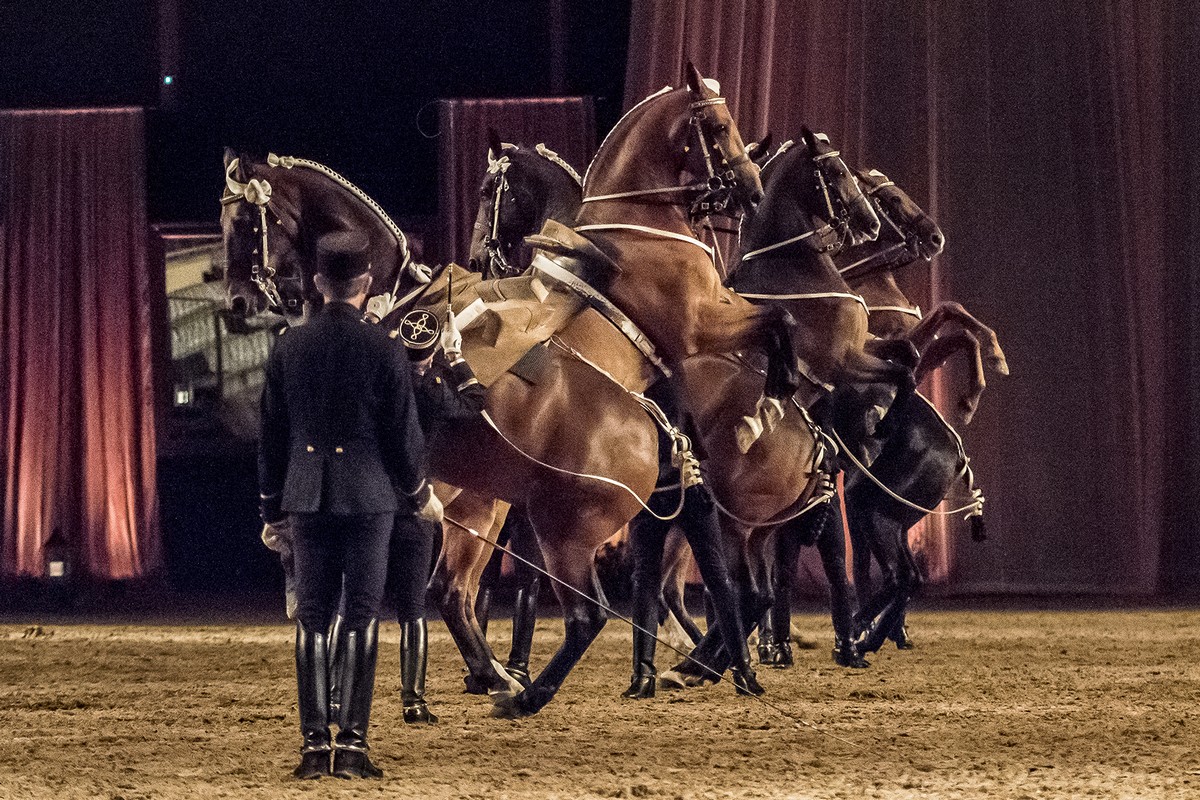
[(756, 197), (938, 240), (238, 305)]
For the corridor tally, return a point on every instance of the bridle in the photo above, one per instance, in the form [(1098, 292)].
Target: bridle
[(497, 263), (715, 192), (831, 236), (257, 192), (907, 247)]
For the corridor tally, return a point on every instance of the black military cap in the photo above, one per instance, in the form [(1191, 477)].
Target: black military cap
[(343, 255), (420, 332)]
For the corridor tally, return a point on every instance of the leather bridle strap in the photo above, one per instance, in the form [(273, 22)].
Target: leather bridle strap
[(652, 231)]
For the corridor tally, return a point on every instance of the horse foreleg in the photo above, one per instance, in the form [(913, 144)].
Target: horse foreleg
[(583, 619), (728, 328), (452, 587), (927, 330), (940, 350), (677, 563)]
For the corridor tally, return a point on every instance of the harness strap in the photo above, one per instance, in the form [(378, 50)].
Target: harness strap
[(810, 296), (807, 234), (621, 226), (616, 316), (914, 311)]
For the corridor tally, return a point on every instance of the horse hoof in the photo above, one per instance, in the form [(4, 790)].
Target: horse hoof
[(745, 682), (850, 654), (672, 680), (505, 706), (419, 714), (902, 639), (476, 684)]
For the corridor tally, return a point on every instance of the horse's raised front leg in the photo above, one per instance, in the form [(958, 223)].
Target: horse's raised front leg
[(927, 330), (728, 328), (937, 354)]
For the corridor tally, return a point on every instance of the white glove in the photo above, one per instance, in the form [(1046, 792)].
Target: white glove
[(278, 537), (381, 305), (451, 338), (431, 507)]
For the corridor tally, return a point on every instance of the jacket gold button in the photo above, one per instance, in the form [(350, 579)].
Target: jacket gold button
[(310, 448), (338, 450)]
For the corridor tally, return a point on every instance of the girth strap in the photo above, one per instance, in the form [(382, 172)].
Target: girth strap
[(547, 266)]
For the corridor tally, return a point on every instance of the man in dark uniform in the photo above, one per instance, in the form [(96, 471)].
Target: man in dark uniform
[(446, 391), (341, 453)]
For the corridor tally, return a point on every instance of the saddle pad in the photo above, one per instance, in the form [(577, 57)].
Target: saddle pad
[(517, 314)]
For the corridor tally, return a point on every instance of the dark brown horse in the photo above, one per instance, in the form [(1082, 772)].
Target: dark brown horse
[(908, 235), (573, 422)]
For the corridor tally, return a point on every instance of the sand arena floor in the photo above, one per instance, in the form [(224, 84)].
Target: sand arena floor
[(1003, 704)]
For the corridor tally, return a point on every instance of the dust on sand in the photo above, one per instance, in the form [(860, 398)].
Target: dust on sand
[(995, 704)]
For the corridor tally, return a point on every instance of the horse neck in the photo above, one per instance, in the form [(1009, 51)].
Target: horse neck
[(326, 206), (563, 202), (643, 152), (880, 289)]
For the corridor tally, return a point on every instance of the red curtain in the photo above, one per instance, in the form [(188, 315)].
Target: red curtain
[(77, 410), (1038, 138), (567, 125)]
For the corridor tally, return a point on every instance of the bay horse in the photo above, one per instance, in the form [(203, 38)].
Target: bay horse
[(909, 234), (671, 287), (545, 438)]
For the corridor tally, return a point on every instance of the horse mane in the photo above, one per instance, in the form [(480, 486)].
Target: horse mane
[(622, 123), (289, 162)]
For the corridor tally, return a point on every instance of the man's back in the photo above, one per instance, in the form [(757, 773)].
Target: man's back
[(339, 418)]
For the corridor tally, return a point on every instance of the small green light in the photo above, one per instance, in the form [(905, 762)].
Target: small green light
[(168, 80)]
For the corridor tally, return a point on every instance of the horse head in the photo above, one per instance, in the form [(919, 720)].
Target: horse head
[(678, 148), (523, 187), (259, 225), (274, 212), (719, 156), (906, 221)]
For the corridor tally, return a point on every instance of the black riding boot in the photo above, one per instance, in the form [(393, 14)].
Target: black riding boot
[(337, 647), (524, 619), (641, 685), (313, 686), (414, 656), (781, 621), (358, 685), (768, 650)]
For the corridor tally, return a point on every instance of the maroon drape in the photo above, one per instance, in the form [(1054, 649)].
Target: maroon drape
[(1038, 138), (567, 125), (77, 410)]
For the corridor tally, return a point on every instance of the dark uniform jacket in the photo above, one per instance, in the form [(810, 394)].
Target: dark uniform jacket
[(340, 428), (447, 393)]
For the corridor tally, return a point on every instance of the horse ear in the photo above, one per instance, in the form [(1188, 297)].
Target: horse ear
[(695, 82), (759, 150), (809, 139), (494, 143), (230, 155)]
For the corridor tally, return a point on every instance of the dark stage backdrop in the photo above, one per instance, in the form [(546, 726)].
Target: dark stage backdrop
[(1055, 144), (76, 396)]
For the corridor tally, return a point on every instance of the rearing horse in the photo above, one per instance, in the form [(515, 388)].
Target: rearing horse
[(573, 447)]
